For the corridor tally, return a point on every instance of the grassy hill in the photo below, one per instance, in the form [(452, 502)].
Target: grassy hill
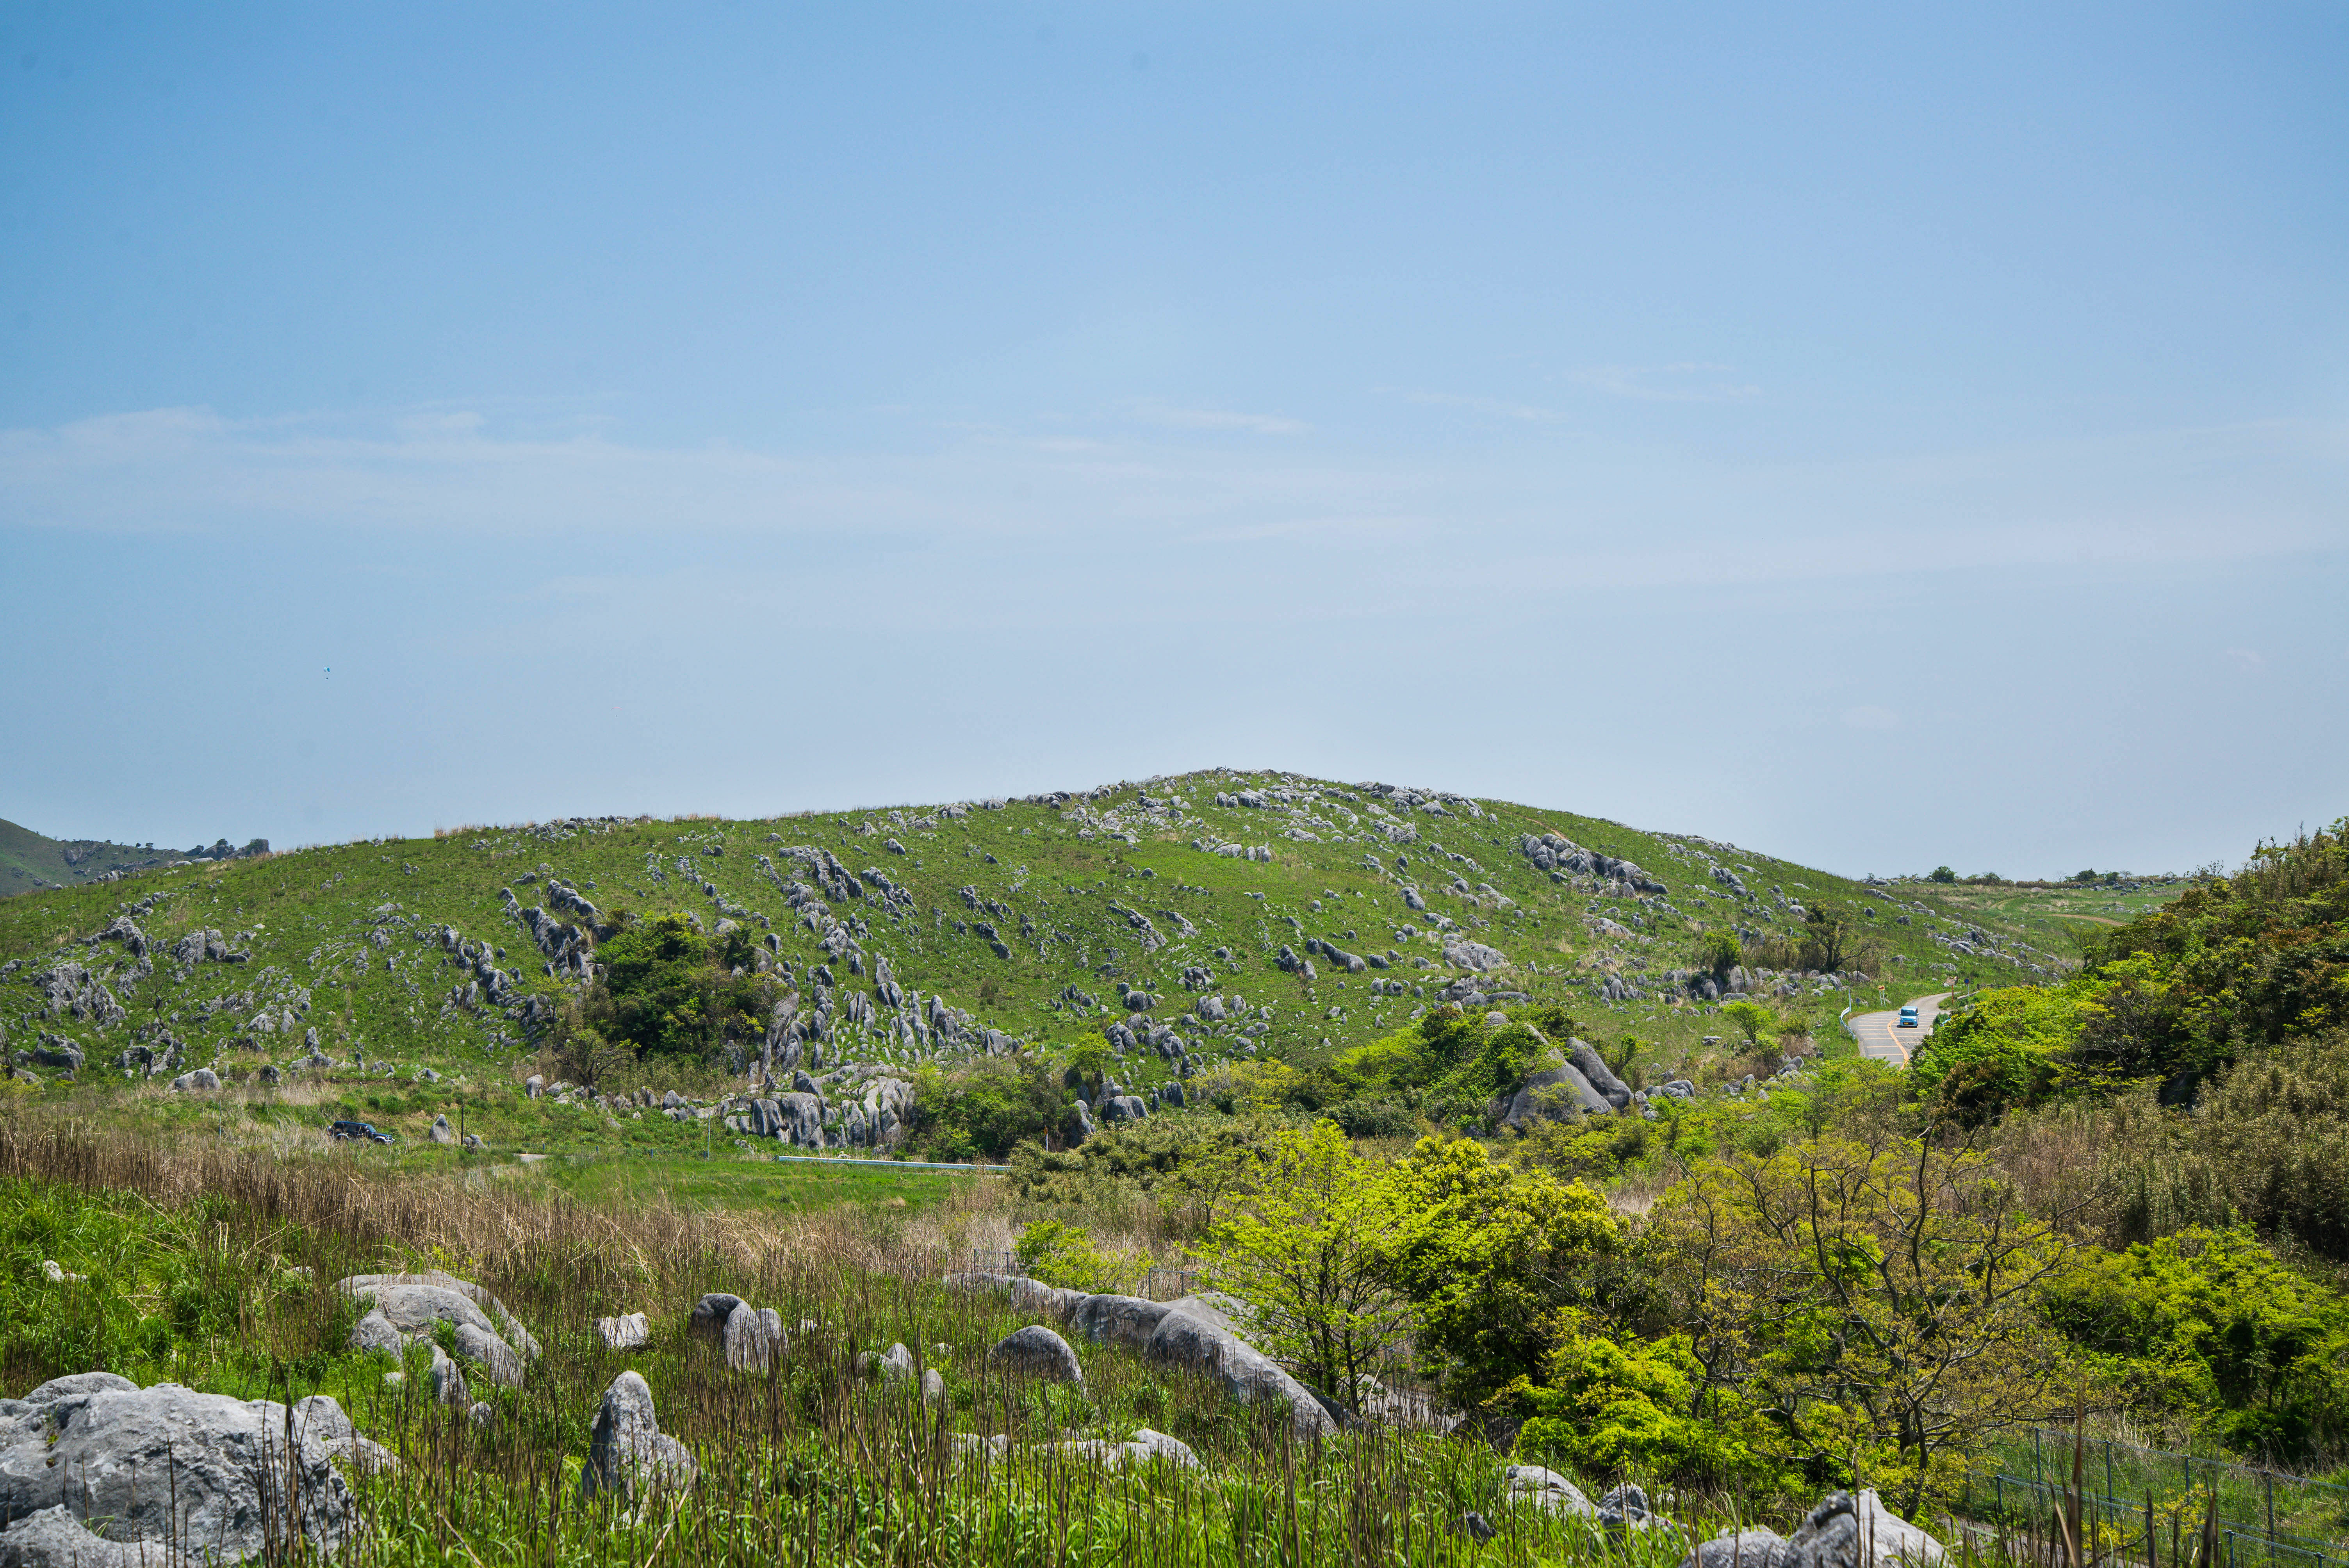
[(30, 861), (1008, 926)]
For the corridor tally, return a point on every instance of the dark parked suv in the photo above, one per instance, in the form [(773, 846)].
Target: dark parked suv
[(357, 1132)]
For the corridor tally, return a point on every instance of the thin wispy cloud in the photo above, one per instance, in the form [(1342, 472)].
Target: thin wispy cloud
[(1688, 383), (1175, 418), (1499, 408)]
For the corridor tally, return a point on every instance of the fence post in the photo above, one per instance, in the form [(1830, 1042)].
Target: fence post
[(2267, 1479)]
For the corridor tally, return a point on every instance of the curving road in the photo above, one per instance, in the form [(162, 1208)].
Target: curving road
[(1881, 1037)]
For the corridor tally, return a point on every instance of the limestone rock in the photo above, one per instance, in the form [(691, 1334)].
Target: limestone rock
[(161, 1464), (710, 1314), (405, 1307), (624, 1333), (1195, 1333), (1740, 1549), (1127, 1320), (1038, 1352), (54, 1538), (1546, 1489), (754, 1337), (629, 1453), (1847, 1531)]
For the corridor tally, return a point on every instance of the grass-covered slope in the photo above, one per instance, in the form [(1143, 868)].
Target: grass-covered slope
[(30, 861), (1002, 924)]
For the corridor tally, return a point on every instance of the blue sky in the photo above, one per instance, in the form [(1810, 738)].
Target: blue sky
[(1878, 436)]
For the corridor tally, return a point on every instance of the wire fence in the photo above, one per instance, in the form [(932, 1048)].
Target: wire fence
[(2143, 1503)]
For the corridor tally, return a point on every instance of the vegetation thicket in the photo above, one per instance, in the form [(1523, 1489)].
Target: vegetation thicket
[(2109, 1199)]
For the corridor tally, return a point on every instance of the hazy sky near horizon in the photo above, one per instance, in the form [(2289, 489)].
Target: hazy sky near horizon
[(1881, 437)]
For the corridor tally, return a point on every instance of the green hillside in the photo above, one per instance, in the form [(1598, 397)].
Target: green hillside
[(30, 861), (914, 933)]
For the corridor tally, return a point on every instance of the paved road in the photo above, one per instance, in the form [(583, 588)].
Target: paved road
[(1881, 1037)]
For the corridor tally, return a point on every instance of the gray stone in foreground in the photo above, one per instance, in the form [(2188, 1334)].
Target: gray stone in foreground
[(1546, 1488), (165, 1463), (406, 1307), (709, 1315), (1849, 1532), (1193, 1333), (626, 1332), (753, 1338), (1036, 1351), (1196, 1333), (628, 1453), (1742, 1549), (53, 1537)]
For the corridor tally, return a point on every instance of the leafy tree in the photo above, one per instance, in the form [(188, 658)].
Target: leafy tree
[(2005, 1051), (1490, 1256), (1750, 1019), (984, 1109), (1719, 952), (1826, 940), (1305, 1250), (666, 988), (1942, 874), (1878, 1299)]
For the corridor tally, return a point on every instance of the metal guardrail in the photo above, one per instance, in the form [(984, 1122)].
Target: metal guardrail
[(893, 1164)]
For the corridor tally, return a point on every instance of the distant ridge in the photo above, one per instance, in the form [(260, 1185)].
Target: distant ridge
[(30, 861)]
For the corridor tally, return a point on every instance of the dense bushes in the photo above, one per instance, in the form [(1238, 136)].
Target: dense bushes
[(984, 1109), (2210, 1325), (664, 988)]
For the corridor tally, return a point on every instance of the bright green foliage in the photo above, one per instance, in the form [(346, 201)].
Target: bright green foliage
[(1750, 1019), (2210, 1320), (1166, 1156), (670, 991), (1720, 952), (1502, 1059), (1064, 1256), (1493, 1256), (983, 1109), (2005, 1051), (1391, 1061), (1306, 1250), (1880, 1296), (1613, 1411), (1942, 874), (2259, 957)]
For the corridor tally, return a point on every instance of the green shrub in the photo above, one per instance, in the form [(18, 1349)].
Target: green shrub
[(984, 1109), (1612, 1411), (2211, 1324), (1064, 1256)]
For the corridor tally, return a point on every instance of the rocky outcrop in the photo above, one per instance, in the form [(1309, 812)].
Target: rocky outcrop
[(162, 1466), (1194, 1333), (628, 1453), (753, 1338), (403, 1309), (1038, 1352), (1546, 1489), (1844, 1530)]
